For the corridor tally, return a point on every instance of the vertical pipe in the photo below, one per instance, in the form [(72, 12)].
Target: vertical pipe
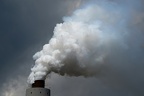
[(38, 89)]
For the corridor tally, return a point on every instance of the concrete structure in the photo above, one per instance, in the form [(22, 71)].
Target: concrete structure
[(38, 89)]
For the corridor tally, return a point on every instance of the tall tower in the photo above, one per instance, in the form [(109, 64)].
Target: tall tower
[(38, 89)]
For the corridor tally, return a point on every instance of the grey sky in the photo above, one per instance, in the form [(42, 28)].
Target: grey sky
[(26, 25)]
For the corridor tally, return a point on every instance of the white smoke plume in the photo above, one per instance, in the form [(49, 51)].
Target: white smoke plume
[(81, 44)]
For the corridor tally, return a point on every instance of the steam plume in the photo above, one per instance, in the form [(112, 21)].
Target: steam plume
[(81, 44)]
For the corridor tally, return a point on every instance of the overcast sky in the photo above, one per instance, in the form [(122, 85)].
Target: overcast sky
[(26, 25)]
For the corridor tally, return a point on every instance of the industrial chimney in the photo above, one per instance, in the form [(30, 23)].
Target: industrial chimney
[(38, 89)]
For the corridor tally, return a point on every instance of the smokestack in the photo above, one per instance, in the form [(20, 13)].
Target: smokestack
[(38, 89)]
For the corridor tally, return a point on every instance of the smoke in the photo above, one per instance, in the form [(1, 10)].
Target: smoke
[(82, 43), (122, 67), (15, 87)]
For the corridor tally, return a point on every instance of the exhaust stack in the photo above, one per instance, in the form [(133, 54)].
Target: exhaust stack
[(38, 89)]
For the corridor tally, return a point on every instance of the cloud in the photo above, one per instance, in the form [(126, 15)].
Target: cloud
[(15, 87)]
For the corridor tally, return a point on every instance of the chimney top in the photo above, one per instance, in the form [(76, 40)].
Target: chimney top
[(38, 83)]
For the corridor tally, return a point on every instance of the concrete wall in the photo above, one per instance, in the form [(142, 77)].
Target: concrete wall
[(38, 92)]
